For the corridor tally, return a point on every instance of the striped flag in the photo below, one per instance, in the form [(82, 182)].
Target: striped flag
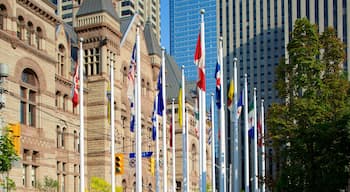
[(240, 105), (154, 120), (131, 88), (251, 120)]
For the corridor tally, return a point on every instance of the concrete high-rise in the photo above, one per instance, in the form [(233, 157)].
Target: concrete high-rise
[(147, 10), (257, 33)]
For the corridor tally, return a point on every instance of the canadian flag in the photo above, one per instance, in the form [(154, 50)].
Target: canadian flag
[(199, 61)]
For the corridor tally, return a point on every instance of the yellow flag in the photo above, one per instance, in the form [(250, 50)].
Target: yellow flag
[(230, 95), (180, 107)]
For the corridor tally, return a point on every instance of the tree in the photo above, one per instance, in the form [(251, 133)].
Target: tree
[(7, 156), (99, 185), (48, 185), (310, 129)]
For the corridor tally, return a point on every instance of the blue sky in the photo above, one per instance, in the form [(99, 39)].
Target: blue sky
[(164, 17)]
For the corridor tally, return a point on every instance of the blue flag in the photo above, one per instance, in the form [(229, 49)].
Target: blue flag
[(132, 118), (160, 104), (154, 129)]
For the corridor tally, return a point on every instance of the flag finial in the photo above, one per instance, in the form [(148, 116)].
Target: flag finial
[(162, 48), (202, 11), (220, 38), (81, 39), (235, 59)]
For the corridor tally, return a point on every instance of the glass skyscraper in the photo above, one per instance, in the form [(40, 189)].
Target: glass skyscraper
[(184, 29)]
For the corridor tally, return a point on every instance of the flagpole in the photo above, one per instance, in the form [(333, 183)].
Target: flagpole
[(255, 147), (185, 180), (157, 145), (173, 143), (222, 126), (203, 112), (165, 164), (81, 112), (262, 147), (112, 124), (235, 129), (246, 143), (187, 167), (138, 114), (213, 142)]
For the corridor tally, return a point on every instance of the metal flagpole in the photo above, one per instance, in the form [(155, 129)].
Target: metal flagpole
[(213, 142), (112, 122), (157, 146), (262, 147), (185, 180), (81, 111), (230, 182), (173, 143), (165, 164), (235, 129), (255, 147), (187, 167), (138, 114), (222, 127), (203, 110), (246, 143)]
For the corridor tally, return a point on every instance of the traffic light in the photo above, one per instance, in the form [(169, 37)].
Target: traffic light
[(15, 134), (119, 164), (152, 165)]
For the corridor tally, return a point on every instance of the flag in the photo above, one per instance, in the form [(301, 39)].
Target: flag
[(230, 93), (260, 137), (240, 105), (218, 85), (131, 75), (209, 135), (160, 104), (199, 61), (180, 107), (108, 94), (131, 87), (171, 133), (251, 120), (75, 92), (154, 122)]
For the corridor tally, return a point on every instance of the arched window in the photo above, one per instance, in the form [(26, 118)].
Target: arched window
[(193, 151), (28, 93), (29, 32), (65, 102), (58, 136), (20, 27), (61, 57), (124, 185), (57, 99), (38, 37), (64, 133), (3, 15)]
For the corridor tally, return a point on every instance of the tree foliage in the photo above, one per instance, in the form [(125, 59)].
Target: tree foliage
[(7, 152), (310, 129), (47, 185), (99, 185)]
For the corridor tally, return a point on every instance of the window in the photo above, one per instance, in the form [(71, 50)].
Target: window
[(193, 151), (20, 27), (24, 174), (92, 61), (3, 15), (33, 175), (65, 102), (38, 38), (61, 56), (29, 32), (58, 136), (75, 147), (28, 93), (63, 137)]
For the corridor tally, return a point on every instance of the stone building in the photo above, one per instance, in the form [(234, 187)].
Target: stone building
[(41, 53)]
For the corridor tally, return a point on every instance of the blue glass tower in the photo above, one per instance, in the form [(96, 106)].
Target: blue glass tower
[(184, 29)]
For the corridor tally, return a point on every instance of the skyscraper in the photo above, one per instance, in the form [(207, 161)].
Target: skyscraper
[(257, 33), (148, 11)]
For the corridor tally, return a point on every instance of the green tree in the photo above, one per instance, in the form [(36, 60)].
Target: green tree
[(48, 185), (7, 157), (310, 129), (99, 185)]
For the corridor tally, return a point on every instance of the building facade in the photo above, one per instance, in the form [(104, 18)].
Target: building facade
[(41, 53), (256, 32)]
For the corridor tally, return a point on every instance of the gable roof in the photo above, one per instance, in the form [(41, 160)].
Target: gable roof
[(97, 6), (151, 40)]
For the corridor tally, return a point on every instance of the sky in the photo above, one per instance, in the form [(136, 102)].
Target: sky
[(164, 25)]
